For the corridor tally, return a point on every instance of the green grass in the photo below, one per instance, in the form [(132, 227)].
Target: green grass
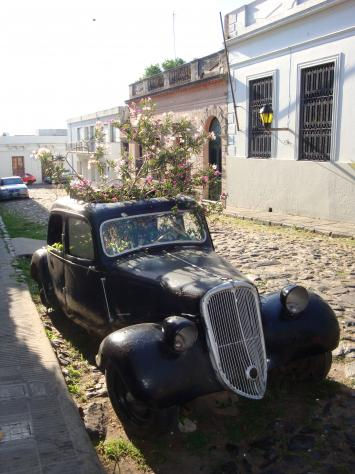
[(23, 264), (118, 449), (18, 226), (196, 441)]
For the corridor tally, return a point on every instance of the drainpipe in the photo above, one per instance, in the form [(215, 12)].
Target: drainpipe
[(229, 73)]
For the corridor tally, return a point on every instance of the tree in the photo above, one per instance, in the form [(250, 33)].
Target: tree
[(151, 70), (171, 63), (169, 166)]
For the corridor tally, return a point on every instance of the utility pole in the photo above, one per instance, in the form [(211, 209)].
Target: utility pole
[(174, 34)]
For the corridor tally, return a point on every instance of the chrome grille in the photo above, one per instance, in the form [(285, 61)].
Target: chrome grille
[(235, 336)]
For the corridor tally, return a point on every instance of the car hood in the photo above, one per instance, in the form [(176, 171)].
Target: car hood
[(10, 187), (185, 272)]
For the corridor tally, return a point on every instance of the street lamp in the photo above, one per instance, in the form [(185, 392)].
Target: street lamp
[(266, 115)]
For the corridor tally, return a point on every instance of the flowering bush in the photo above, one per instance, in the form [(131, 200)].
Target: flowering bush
[(168, 166)]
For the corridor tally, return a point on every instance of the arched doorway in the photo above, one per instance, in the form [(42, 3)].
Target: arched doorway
[(215, 159)]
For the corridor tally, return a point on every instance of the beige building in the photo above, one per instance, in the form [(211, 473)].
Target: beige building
[(81, 141), (197, 90)]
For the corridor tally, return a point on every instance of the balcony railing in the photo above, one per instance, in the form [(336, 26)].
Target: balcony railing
[(86, 146), (180, 74), (210, 66)]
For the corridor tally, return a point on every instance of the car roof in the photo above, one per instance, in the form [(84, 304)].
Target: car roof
[(103, 211), (10, 177)]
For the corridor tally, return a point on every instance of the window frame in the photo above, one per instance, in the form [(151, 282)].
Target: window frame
[(49, 246), (140, 247), (68, 255), (274, 75), (334, 144)]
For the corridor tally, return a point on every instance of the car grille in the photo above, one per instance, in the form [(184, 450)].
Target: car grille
[(231, 312)]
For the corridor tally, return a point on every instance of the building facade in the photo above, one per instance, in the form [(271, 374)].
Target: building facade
[(196, 90), (81, 141), (298, 57), (16, 152)]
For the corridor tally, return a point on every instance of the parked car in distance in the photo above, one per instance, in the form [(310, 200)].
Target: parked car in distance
[(13, 187), (179, 320), (28, 178), (66, 177)]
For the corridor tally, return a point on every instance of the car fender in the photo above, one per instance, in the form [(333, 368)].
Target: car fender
[(312, 332), (40, 272), (152, 371)]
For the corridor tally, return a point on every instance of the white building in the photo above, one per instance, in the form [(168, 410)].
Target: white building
[(81, 138), (16, 151), (299, 57)]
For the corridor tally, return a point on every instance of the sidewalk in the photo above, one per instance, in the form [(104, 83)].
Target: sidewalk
[(320, 226), (40, 428)]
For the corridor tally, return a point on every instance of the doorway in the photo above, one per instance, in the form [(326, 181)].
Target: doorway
[(18, 166), (215, 160)]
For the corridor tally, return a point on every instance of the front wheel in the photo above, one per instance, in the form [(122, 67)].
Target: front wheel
[(314, 368), (137, 416)]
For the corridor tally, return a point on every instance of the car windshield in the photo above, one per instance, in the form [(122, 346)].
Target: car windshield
[(130, 233), (8, 181)]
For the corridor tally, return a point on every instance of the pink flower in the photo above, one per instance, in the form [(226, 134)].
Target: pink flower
[(205, 179), (149, 179), (217, 173)]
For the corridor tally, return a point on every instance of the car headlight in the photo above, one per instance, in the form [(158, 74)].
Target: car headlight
[(294, 298), (179, 333)]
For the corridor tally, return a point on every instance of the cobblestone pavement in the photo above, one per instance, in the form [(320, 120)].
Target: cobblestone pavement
[(38, 207), (272, 257)]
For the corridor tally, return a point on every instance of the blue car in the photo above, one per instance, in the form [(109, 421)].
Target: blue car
[(13, 187)]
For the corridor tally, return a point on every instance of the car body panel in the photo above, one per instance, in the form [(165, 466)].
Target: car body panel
[(12, 187), (28, 178), (127, 297)]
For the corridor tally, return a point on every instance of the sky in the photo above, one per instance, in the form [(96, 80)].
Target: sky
[(65, 58)]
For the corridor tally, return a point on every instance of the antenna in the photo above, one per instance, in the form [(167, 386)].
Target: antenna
[(174, 34)]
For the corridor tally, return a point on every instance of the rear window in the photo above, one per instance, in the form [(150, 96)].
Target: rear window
[(8, 181)]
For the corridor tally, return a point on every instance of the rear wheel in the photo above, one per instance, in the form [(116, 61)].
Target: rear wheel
[(43, 297), (137, 416)]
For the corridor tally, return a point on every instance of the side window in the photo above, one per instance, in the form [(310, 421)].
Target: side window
[(80, 242), (55, 229)]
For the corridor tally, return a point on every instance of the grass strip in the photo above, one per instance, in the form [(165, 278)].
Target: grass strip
[(18, 226)]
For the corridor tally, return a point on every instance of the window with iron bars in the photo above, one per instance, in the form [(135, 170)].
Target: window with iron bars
[(259, 140), (316, 112)]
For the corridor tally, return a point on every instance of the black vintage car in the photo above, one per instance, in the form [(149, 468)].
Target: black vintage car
[(178, 320)]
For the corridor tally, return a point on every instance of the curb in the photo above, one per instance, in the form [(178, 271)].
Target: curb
[(305, 227)]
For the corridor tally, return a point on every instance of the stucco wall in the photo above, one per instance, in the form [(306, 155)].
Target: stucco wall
[(24, 146), (314, 189), (317, 189), (200, 102)]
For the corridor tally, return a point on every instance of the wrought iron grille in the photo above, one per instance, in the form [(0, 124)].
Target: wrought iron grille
[(181, 74), (156, 82), (260, 94), (235, 334), (316, 110)]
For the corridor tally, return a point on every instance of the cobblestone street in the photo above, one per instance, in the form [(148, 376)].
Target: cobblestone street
[(271, 257)]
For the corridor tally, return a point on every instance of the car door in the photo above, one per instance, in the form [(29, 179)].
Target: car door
[(85, 295), (55, 255)]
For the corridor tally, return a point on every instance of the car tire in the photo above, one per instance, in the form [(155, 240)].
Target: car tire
[(43, 298), (138, 418), (314, 368)]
